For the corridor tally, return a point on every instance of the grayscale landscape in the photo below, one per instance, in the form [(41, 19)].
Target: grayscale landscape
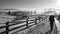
[(28, 16)]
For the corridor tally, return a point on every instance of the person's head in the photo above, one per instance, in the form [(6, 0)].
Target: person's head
[(52, 16)]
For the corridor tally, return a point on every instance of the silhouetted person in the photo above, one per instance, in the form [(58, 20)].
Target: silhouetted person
[(51, 19)]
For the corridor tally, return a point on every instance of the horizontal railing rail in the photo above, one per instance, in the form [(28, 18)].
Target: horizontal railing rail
[(16, 23)]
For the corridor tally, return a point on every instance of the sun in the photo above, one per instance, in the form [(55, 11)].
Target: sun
[(58, 2)]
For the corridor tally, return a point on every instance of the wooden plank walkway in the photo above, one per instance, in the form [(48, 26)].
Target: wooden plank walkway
[(42, 28), (36, 27)]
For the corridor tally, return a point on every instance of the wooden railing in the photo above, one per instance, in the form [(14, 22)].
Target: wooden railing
[(16, 23)]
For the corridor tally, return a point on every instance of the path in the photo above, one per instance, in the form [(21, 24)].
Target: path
[(41, 28)]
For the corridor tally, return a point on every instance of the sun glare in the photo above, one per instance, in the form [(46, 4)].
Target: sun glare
[(58, 2)]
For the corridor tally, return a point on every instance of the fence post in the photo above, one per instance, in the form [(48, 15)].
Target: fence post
[(7, 27), (27, 23), (35, 20)]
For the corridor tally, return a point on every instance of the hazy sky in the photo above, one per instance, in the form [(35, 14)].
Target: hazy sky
[(29, 3)]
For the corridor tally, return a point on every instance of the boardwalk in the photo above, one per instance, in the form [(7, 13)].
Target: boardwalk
[(40, 28)]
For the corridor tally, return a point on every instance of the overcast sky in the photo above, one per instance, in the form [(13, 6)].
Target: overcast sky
[(29, 4)]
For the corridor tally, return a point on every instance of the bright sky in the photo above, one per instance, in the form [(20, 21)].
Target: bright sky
[(58, 3), (32, 4), (29, 4)]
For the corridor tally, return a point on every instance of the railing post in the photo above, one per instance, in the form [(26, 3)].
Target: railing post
[(35, 21), (7, 27), (27, 23)]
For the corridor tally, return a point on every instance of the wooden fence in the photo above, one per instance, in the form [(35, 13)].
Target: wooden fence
[(16, 23)]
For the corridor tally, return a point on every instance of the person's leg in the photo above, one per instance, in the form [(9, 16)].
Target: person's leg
[(51, 26)]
